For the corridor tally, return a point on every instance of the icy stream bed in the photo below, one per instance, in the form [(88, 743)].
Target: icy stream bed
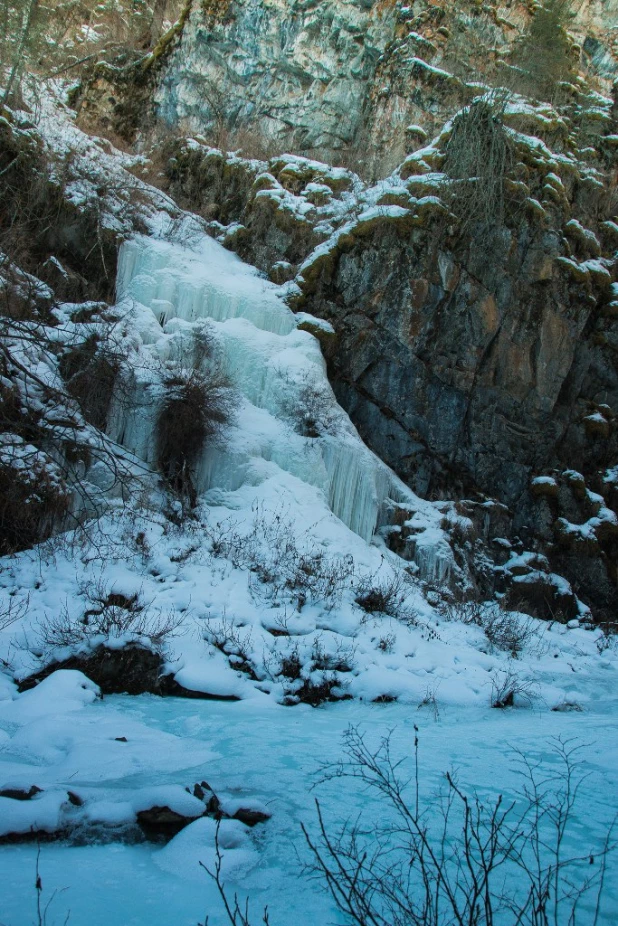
[(272, 753)]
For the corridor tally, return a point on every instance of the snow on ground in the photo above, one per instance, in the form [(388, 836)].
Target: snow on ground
[(94, 172), (280, 584), (274, 753)]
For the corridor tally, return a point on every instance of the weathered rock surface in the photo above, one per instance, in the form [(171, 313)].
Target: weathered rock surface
[(475, 367), (366, 80)]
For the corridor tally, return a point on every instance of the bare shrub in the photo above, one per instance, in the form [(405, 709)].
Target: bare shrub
[(505, 630), (285, 569), (386, 596), (310, 408), (386, 643), (290, 665), (459, 859), (90, 369), (309, 676), (225, 636), (341, 660), (479, 154), (607, 638), (430, 701), (34, 496), (197, 408), (507, 685), (13, 611), (236, 915), (110, 615), (314, 690)]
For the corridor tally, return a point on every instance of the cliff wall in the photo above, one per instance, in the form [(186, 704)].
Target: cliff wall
[(363, 81)]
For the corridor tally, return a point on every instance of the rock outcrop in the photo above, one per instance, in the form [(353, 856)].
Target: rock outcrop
[(362, 80)]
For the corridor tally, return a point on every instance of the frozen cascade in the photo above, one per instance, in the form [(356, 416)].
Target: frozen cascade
[(170, 288), (208, 282)]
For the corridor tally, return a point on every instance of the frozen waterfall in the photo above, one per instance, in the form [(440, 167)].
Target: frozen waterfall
[(170, 290)]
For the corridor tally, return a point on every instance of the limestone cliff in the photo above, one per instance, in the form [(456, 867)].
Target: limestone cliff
[(360, 79)]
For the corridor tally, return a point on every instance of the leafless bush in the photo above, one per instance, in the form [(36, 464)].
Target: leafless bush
[(607, 638), (459, 860), (285, 569), (309, 676), (505, 630), (341, 660), (316, 689), (13, 611), (507, 685), (236, 915), (90, 369), (386, 643), (197, 407), (430, 701), (310, 408), (386, 596), (225, 636), (110, 615), (34, 496), (479, 154), (290, 663)]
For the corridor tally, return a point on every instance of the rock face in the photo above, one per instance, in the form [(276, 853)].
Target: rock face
[(359, 79), (294, 72), (468, 366), (467, 375), (474, 363)]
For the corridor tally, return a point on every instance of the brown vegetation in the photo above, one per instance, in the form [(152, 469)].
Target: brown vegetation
[(196, 409)]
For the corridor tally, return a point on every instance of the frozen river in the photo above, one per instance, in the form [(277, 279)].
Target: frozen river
[(273, 753)]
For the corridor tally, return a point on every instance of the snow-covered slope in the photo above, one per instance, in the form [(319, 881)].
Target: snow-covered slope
[(285, 550), (277, 589)]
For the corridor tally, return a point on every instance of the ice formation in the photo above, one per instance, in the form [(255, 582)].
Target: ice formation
[(170, 289)]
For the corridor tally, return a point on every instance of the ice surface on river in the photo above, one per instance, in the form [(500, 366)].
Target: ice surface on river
[(171, 741), (276, 369)]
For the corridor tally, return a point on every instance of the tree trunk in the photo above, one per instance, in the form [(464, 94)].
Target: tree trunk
[(27, 23)]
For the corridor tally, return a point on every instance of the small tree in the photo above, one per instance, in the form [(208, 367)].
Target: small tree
[(19, 31), (543, 56)]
